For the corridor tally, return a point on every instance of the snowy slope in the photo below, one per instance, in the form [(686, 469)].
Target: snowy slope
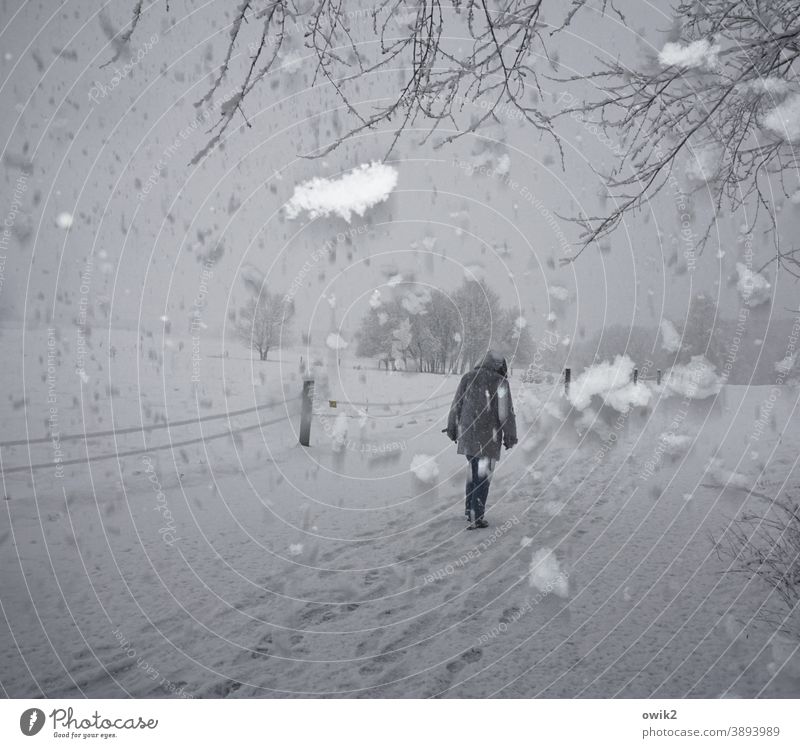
[(249, 566)]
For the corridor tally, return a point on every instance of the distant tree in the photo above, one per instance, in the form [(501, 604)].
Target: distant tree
[(263, 322), (401, 341), (479, 313), (705, 333), (423, 341), (513, 339), (439, 339), (376, 337)]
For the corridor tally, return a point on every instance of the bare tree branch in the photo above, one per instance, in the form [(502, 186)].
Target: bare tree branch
[(421, 37), (767, 546), (667, 116)]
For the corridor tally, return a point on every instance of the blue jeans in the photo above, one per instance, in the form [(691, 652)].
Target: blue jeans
[(478, 486)]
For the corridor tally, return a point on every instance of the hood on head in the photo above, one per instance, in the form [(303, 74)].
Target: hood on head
[(494, 361)]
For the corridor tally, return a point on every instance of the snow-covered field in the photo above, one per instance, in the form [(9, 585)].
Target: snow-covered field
[(219, 558)]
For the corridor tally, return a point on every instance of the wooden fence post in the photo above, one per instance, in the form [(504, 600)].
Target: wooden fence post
[(306, 412)]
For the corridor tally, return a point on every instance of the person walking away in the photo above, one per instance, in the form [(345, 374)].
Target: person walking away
[(481, 421)]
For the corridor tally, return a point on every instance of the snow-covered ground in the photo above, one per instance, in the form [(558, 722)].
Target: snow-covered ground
[(220, 558)]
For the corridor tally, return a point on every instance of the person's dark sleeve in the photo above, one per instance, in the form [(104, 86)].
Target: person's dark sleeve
[(510, 423), (455, 412)]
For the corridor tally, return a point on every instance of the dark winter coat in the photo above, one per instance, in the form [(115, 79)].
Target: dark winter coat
[(482, 415)]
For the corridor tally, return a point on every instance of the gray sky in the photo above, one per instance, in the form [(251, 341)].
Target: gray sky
[(96, 143)]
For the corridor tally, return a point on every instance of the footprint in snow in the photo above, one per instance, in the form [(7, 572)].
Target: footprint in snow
[(317, 614), (509, 614), (225, 689), (470, 656), (379, 663), (275, 643)]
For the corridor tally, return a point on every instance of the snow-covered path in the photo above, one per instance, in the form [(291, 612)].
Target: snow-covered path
[(250, 566)]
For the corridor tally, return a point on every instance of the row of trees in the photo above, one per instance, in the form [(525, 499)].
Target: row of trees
[(745, 349), (702, 332), (441, 332)]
